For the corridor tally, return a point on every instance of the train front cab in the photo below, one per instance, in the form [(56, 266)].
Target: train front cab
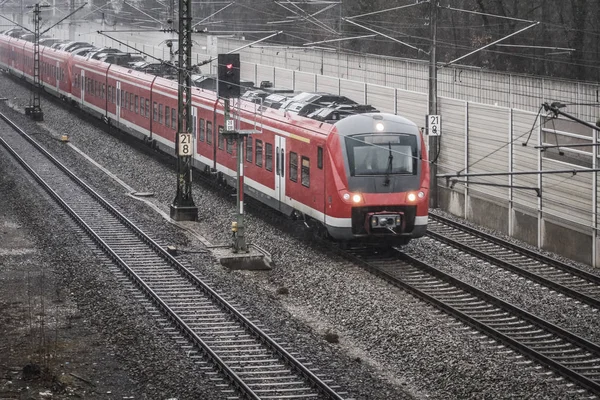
[(378, 186)]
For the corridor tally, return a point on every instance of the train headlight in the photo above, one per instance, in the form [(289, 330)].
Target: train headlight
[(412, 197), (421, 194), (346, 196), (356, 198), (374, 221), (379, 127)]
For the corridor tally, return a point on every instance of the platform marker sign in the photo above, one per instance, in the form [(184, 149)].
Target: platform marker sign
[(230, 125), (434, 125), (185, 144)]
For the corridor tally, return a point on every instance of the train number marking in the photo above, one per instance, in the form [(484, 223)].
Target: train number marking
[(185, 144)]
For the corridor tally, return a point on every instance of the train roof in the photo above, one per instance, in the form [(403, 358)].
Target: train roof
[(375, 122)]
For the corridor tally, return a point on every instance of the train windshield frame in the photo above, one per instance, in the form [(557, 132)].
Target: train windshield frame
[(377, 154)]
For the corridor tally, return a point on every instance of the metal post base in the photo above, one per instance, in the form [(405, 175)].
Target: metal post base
[(184, 213), (36, 114)]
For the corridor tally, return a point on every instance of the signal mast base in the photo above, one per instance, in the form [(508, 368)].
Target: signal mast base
[(184, 213)]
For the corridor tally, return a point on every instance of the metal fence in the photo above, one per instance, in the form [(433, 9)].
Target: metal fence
[(459, 82)]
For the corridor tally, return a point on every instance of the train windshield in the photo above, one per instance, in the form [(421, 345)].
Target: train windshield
[(382, 154)]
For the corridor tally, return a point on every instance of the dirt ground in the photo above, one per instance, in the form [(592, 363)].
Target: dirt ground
[(47, 350), (68, 329)]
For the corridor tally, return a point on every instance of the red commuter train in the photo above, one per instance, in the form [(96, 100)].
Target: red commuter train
[(363, 178)]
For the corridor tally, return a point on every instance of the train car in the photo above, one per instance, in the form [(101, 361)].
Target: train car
[(129, 102), (54, 70), (89, 91), (363, 178)]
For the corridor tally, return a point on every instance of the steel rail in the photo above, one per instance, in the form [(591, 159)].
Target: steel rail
[(585, 382), (518, 249), (289, 359)]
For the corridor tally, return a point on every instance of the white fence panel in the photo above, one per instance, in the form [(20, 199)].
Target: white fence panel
[(413, 106), (527, 93), (357, 68), (264, 73), (589, 97), (396, 74), (381, 97), (327, 84), (305, 82), (488, 148), (353, 90), (452, 155), (525, 129), (566, 196), (284, 78), (376, 68)]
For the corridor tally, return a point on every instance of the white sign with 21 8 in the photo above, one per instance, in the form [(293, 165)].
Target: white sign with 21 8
[(185, 144), (434, 125)]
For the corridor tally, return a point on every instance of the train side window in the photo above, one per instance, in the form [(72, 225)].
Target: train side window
[(103, 91), (131, 102), (208, 132), (155, 111), (167, 116), (258, 153), (137, 104), (248, 149), (220, 138), (201, 130), (293, 172), (141, 106), (127, 100), (109, 93), (229, 144), (160, 113), (268, 156), (320, 157), (122, 98), (173, 118), (305, 171), (148, 108)]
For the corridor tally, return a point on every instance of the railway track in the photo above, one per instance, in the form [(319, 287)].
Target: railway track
[(561, 277), (256, 366), (571, 356)]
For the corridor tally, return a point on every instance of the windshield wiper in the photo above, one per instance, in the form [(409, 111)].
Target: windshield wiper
[(388, 171)]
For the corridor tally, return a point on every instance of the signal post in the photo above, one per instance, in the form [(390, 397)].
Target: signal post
[(245, 256), (229, 87)]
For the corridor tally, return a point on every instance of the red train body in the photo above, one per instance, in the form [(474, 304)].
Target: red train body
[(364, 178)]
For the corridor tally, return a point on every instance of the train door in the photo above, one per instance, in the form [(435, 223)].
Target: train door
[(57, 75), (280, 169), (82, 85), (118, 110), (194, 127)]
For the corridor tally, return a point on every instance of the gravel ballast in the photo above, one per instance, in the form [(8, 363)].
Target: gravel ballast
[(391, 345)]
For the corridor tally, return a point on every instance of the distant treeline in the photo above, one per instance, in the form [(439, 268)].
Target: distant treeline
[(565, 44)]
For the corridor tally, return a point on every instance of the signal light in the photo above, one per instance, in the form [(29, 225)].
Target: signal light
[(228, 75)]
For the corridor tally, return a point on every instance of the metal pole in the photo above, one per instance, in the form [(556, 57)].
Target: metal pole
[(238, 228), (71, 22), (433, 140), (35, 109), (21, 12), (183, 207), (240, 237)]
